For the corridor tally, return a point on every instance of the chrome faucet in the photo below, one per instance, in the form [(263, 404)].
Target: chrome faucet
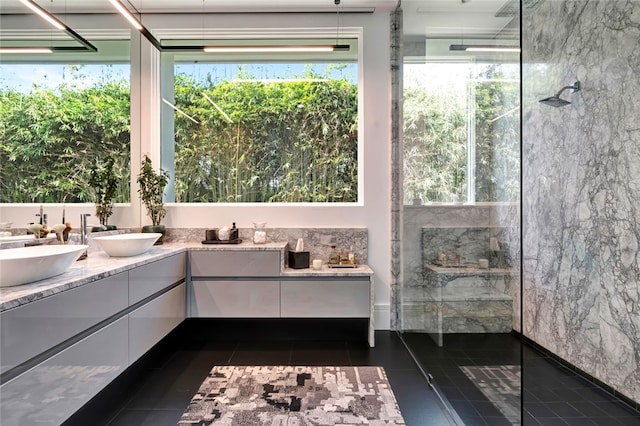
[(83, 233)]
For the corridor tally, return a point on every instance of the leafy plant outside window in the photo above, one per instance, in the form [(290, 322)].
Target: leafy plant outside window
[(293, 140)]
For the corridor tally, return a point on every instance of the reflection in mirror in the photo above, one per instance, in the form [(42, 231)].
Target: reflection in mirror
[(59, 114)]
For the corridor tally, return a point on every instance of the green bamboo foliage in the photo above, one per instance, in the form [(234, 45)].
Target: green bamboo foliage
[(287, 142), (435, 142), (50, 139)]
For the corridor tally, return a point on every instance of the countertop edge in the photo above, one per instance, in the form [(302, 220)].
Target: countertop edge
[(99, 265)]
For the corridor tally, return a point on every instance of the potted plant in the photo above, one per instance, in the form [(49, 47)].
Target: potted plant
[(104, 182), (151, 189)]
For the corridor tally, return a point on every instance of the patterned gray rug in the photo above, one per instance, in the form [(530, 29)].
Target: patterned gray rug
[(501, 385), (286, 395)]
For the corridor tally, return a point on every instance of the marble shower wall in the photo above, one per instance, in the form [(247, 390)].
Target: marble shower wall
[(503, 217), (581, 187)]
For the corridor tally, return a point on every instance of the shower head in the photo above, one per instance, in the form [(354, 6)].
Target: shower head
[(556, 101)]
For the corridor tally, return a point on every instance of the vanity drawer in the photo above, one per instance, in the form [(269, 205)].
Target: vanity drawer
[(153, 321), (156, 276), (235, 299), (29, 330), (235, 263), (50, 392), (325, 299)]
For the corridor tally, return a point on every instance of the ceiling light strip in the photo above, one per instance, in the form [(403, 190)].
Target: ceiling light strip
[(136, 23), (10, 50), (87, 46), (128, 15), (44, 14), (276, 48), (484, 48)]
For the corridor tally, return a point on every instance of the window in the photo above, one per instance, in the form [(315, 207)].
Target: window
[(56, 119), (265, 131), (461, 131)]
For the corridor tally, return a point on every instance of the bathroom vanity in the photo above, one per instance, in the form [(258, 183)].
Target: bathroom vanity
[(254, 283), (60, 348), (65, 338)]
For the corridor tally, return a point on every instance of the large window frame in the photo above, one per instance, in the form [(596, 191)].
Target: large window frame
[(168, 109)]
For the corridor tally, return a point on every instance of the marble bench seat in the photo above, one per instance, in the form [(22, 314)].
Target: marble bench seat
[(459, 300)]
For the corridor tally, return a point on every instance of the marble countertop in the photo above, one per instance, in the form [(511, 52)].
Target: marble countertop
[(469, 268), (99, 265), (326, 271)]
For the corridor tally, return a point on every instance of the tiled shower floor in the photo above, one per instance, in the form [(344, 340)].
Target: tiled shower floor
[(553, 394)]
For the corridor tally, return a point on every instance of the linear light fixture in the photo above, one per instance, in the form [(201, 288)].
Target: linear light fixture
[(128, 15), (86, 46), (135, 22), (10, 50), (44, 14), (484, 48), (277, 48)]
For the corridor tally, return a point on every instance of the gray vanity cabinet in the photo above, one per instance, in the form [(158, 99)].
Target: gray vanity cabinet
[(242, 263), (236, 299), (154, 320), (252, 284), (60, 351), (50, 392), (151, 278), (31, 329), (235, 284), (327, 298)]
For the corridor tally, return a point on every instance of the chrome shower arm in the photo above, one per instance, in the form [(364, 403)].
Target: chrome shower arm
[(574, 88)]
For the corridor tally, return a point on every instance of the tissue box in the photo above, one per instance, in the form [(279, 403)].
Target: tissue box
[(298, 259)]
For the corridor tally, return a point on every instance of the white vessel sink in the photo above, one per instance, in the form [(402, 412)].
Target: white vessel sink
[(28, 264), (124, 245)]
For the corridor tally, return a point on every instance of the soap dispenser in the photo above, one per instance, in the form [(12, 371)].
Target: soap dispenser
[(334, 257), (233, 232)]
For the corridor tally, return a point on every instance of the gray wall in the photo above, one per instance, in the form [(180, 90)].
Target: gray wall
[(581, 187)]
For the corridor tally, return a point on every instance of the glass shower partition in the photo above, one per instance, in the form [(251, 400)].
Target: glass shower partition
[(459, 300)]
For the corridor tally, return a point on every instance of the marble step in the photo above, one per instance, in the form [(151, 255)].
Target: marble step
[(472, 311)]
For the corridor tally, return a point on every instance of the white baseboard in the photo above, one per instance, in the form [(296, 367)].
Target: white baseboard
[(382, 316)]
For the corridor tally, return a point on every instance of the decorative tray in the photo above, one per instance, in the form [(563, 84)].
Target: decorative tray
[(338, 265), (238, 241)]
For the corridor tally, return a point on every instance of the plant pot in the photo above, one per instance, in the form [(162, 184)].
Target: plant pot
[(160, 229), (106, 228)]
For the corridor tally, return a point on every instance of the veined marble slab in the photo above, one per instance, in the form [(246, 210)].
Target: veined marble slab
[(99, 265), (581, 174)]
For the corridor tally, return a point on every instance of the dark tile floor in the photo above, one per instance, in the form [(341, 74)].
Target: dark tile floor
[(553, 394), (157, 389)]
